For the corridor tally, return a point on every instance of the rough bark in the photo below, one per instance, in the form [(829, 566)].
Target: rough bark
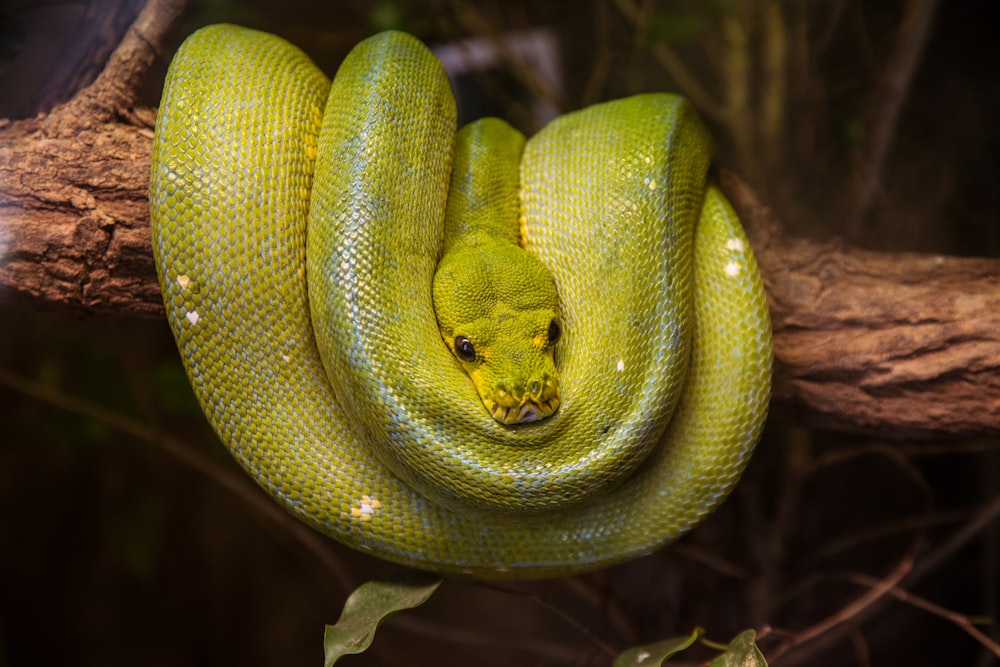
[(892, 345), (73, 186)]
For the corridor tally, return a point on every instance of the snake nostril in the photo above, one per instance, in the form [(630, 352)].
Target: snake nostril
[(535, 387)]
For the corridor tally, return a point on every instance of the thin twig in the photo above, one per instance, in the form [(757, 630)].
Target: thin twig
[(977, 524), (915, 571), (990, 554), (605, 600), (477, 637), (860, 645), (958, 619), (672, 63), (887, 451), (116, 88), (736, 68), (798, 459), (226, 479), (879, 531), (474, 22), (909, 44), (537, 599), (773, 99), (598, 75), (847, 613), (710, 560)]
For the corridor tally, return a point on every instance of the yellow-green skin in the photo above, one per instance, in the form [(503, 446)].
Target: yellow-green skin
[(297, 227), (487, 289)]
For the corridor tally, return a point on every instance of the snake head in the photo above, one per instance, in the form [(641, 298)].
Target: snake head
[(496, 308)]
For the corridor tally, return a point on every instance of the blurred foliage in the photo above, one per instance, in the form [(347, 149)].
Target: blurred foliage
[(116, 549)]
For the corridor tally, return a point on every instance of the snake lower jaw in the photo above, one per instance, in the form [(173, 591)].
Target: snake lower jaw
[(529, 411)]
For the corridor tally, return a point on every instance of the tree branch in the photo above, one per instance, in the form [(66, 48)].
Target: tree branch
[(892, 345), (73, 191), (899, 345)]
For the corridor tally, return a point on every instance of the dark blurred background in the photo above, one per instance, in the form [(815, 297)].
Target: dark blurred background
[(127, 536)]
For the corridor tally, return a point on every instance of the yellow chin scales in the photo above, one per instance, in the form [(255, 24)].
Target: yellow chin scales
[(528, 411), (537, 400)]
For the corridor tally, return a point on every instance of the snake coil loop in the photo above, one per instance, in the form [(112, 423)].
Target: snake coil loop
[(296, 229)]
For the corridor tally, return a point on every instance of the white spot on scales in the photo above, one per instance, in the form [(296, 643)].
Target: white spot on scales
[(733, 267), (193, 317), (367, 508), (735, 244)]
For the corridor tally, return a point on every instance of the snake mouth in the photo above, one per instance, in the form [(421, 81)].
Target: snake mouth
[(529, 411)]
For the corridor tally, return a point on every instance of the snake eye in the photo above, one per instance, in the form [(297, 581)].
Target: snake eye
[(464, 349), (554, 331)]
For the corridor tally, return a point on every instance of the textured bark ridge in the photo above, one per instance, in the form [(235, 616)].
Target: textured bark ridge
[(895, 345), (892, 345), (74, 220)]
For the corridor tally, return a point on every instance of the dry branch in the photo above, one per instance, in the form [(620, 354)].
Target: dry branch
[(74, 220), (893, 345)]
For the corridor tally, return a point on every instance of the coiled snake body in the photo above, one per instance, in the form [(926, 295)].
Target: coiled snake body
[(297, 227)]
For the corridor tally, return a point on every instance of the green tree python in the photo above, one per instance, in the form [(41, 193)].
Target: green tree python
[(592, 396)]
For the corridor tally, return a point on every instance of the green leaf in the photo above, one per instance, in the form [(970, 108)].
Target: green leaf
[(741, 652), (369, 605), (658, 653)]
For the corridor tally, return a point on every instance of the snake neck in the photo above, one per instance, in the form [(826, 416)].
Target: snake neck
[(495, 302)]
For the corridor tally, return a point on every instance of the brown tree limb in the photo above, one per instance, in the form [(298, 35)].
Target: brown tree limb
[(899, 345), (74, 220), (893, 345)]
